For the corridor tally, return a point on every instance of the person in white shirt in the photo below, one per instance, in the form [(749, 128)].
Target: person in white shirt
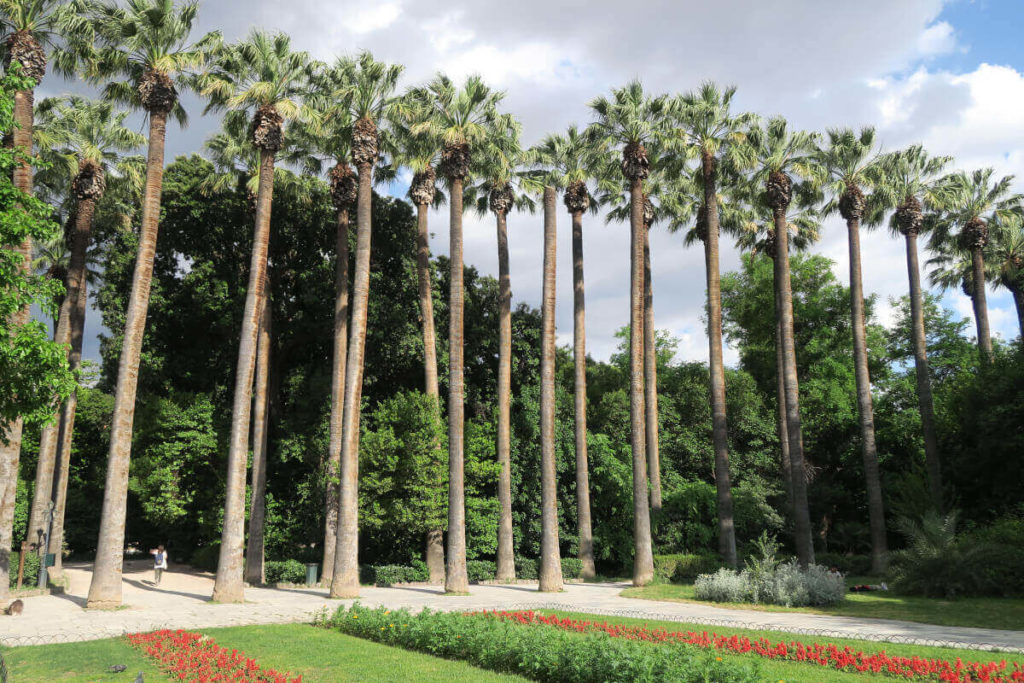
[(159, 563)]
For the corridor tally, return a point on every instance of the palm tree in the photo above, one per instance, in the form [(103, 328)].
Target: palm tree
[(460, 118), (571, 159), (709, 131), (261, 75), (909, 184), (368, 85), (147, 43), (777, 152), (631, 119), (849, 161), (971, 202), (498, 190), (1008, 253), (82, 140)]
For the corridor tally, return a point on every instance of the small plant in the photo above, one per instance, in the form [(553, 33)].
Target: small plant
[(937, 562)]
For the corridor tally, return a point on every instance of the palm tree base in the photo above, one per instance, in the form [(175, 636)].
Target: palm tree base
[(228, 596), (344, 591)]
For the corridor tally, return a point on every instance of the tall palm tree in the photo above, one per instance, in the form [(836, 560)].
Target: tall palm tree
[(262, 78), (971, 202), (329, 138), (776, 153), (498, 190), (847, 163), (571, 158), (1008, 254), (147, 43), (631, 119), (709, 131), (461, 118), (421, 154), (83, 141), (368, 85), (909, 185)]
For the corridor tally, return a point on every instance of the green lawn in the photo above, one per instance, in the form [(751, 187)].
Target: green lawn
[(1000, 613), (320, 655), (793, 672)]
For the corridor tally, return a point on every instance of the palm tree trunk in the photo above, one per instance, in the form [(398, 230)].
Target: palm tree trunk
[(10, 446), (981, 304), (65, 433), (651, 380), (332, 488), (924, 382), (550, 560), (456, 579), (105, 588), (643, 557), (254, 551), (1018, 300), (794, 429), (435, 537), (780, 399), (228, 585), (506, 553), (345, 582), (719, 427), (586, 534), (876, 514)]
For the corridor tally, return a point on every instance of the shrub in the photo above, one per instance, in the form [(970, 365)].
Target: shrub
[(849, 564), (725, 585), (31, 575), (526, 568), (999, 573), (284, 571), (681, 567), (936, 562), (572, 567), (481, 570), (390, 574), (539, 654), (206, 557)]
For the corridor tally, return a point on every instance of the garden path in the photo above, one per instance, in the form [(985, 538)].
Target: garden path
[(182, 601)]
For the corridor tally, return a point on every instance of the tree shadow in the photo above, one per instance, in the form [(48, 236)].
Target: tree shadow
[(80, 601), (149, 586)]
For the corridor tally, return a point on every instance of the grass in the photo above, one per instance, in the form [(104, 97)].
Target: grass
[(319, 655), (87, 662), (800, 672), (998, 613)]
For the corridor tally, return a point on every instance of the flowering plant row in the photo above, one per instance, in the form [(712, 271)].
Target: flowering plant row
[(821, 654), (194, 658)]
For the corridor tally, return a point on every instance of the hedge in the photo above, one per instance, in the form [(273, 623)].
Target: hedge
[(284, 571), (681, 567), (31, 575), (540, 654)]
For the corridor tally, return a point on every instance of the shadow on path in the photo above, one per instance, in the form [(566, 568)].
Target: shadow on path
[(149, 586)]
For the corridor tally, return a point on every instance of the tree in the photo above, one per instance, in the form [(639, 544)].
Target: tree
[(421, 153), (776, 152), (460, 117), (369, 84), (909, 185), (709, 130), (848, 162), (83, 140), (261, 75), (1008, 250), (147, 43), (571, 159), (498, 190), (631, 119), (970, 203), (33, 366)]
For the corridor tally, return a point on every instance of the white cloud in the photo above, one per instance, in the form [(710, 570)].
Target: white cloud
[(373, 17), (937, 39)]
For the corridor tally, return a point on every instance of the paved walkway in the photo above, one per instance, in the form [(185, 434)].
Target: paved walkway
[(182, 601)]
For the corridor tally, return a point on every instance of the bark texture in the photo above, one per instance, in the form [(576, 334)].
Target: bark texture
[(651, 380), (583, 523), (719, 427), (550, 573), (254, 550), (105, 588), (456, 579), (434, 549), (333, 487), (506, 554), (228, 585), (345, 582)]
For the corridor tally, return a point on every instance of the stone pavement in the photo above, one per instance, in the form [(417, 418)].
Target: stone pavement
[(182, 601)]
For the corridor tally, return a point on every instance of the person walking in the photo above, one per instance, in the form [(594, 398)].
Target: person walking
[(159, 563)]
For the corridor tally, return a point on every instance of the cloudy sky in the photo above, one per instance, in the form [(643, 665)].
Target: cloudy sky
[(948, 74)]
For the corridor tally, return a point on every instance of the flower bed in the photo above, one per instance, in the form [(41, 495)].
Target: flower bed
[(820, 654), (194, 658), (538, 654)]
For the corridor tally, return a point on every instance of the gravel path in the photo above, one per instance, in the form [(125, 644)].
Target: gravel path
[(182, 601)]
